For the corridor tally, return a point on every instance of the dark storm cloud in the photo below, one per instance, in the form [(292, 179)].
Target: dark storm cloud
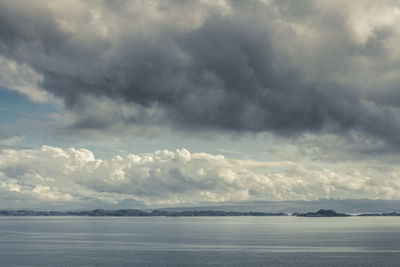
[(286, 67)]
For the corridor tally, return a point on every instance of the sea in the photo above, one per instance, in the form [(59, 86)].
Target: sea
[(199, 241)]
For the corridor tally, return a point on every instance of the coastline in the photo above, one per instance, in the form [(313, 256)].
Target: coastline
[(193, 213)]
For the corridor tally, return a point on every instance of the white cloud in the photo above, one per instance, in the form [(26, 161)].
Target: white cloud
[(65, 176), (23, 79)]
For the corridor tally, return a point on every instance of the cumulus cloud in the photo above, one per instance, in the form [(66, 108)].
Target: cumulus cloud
[(285, 67), (75, 178)]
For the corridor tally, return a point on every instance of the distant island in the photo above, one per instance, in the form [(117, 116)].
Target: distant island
[(321, 213), (332, 213), (186, 213)]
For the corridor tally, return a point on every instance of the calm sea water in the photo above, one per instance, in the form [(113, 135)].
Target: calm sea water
[(199, 241)]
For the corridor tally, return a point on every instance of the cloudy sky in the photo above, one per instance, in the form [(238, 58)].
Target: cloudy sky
[(177, 102)]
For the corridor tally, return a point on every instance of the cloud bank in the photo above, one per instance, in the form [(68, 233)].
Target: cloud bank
[(55, 177), (284, 67), (319, 78)]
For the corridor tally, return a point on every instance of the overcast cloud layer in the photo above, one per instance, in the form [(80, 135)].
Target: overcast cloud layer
[(286, 67), (49, 176)]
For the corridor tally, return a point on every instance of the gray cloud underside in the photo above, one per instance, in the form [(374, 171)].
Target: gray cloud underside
[(287, 67), (55, 177)]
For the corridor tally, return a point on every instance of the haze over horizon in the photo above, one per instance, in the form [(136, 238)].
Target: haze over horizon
[(169, 102)]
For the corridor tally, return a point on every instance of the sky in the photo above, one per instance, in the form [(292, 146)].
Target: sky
[(171, 102)]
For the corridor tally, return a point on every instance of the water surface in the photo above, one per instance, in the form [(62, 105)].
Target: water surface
[(199, 241)]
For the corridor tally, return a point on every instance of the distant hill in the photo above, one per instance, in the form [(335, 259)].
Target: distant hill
[(187, 213), (133, 213), (353, 206), (321, 213)]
